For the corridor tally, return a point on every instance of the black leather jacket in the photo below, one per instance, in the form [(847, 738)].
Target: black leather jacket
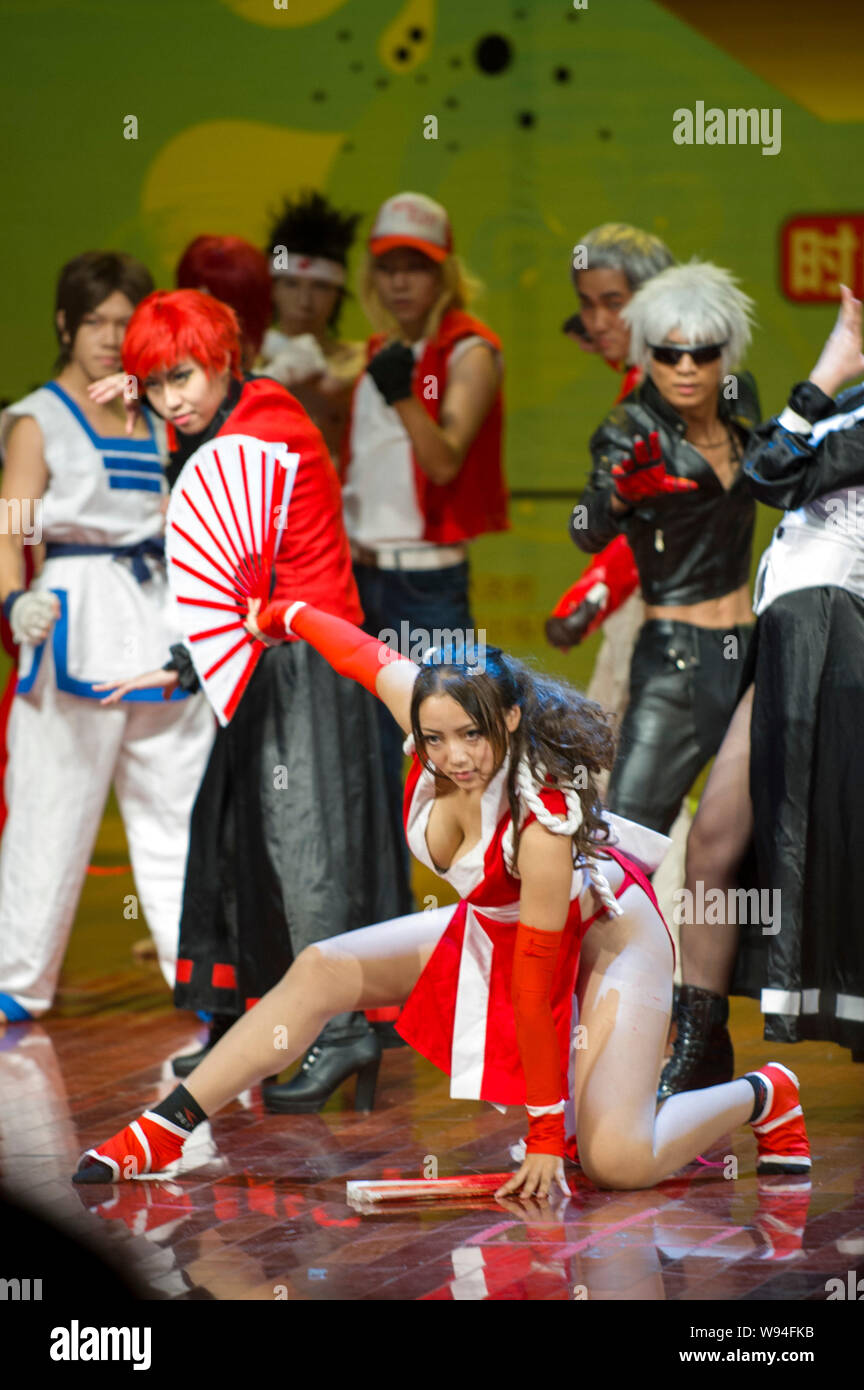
[(688, 546)]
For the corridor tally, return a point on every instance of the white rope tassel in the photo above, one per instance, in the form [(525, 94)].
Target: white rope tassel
[(527, 793), (600, 884)]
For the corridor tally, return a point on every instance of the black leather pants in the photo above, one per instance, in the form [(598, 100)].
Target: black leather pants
[(684, 686)]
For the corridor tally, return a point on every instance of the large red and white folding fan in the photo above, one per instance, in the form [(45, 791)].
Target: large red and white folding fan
[(223, 531)]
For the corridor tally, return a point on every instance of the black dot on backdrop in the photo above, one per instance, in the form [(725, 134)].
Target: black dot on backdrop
[(402, 55), (453, 146), (604, 134), (526, 118), (319, 96), (356, 66), (382, 82), (493, 54), (455, 62), (519, 14), (421, 79), (344, 35), (348, 146), (416, 34), (562, 74), (452, 104)]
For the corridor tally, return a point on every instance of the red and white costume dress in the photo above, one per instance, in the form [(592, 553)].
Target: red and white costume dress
[(459, 1014)]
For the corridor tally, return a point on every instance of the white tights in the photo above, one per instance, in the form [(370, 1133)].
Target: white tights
[(624, 992)]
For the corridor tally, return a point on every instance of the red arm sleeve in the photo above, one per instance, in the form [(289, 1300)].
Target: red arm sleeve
[(534, 962), (349, 650)]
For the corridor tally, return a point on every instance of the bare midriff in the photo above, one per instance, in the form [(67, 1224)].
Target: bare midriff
[(732, 610)]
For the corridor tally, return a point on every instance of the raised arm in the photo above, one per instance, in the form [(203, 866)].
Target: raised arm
[(786, 467), (349, 650), (628, 471)]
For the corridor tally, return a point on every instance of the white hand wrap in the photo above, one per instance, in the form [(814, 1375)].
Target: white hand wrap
[(32, 616), (299, 362)]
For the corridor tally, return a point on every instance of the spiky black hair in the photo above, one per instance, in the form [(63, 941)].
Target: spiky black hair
[(309, 225)]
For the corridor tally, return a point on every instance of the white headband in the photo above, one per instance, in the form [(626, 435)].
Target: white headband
[(307, 267)]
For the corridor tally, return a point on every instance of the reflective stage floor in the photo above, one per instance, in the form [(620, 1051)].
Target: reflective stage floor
[(258, 1210)]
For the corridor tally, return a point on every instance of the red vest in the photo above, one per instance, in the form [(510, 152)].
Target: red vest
[(475, 501)]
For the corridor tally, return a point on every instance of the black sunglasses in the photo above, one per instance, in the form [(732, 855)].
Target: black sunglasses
[(671, 356)]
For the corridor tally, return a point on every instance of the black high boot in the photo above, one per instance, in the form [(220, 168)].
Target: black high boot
[(702, 1052), (186, 1064)]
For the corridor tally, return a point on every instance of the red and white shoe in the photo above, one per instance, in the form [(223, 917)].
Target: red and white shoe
[(781, 1135), (781, 1216), (148, 1145)]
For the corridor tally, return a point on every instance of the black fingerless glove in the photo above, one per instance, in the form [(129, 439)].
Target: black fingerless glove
[(392, 370), (181, 662)]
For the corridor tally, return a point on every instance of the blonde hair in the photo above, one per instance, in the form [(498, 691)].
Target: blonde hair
[(459, 288), (618, 246)]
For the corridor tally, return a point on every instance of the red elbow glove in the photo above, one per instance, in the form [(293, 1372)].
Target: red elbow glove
[(349, 650), (534, 961), (615, 569)]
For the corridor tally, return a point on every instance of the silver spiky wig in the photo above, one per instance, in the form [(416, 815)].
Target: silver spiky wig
[(618, 246), (701, 301)]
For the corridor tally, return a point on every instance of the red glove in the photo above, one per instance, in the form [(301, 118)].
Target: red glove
[(645, 474), (579, 611), (534, 961), (350, 651)]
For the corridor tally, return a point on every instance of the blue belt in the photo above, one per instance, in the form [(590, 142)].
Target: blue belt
[(155, 547)]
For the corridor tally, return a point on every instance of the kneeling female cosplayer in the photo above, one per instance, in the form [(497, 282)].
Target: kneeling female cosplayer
[(501, 802)]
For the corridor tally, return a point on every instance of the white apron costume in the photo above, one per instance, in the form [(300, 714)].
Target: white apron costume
[(104, 496)]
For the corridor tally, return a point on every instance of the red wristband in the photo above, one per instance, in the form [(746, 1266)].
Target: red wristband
[(545, 1134)]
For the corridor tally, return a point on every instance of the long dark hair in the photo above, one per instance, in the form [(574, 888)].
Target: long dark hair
[(566, 739)]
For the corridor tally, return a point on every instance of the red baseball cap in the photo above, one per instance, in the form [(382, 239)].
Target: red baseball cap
[(412, 219)]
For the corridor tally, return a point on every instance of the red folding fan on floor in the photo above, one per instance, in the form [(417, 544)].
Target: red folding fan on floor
[(223, 530)]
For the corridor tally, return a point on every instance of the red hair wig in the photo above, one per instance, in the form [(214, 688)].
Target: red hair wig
[(236, 272), (170, 325)]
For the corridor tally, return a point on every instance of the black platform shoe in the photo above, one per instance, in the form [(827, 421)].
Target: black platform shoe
[(185, 1065), (702, 1052), (324, 1069)]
